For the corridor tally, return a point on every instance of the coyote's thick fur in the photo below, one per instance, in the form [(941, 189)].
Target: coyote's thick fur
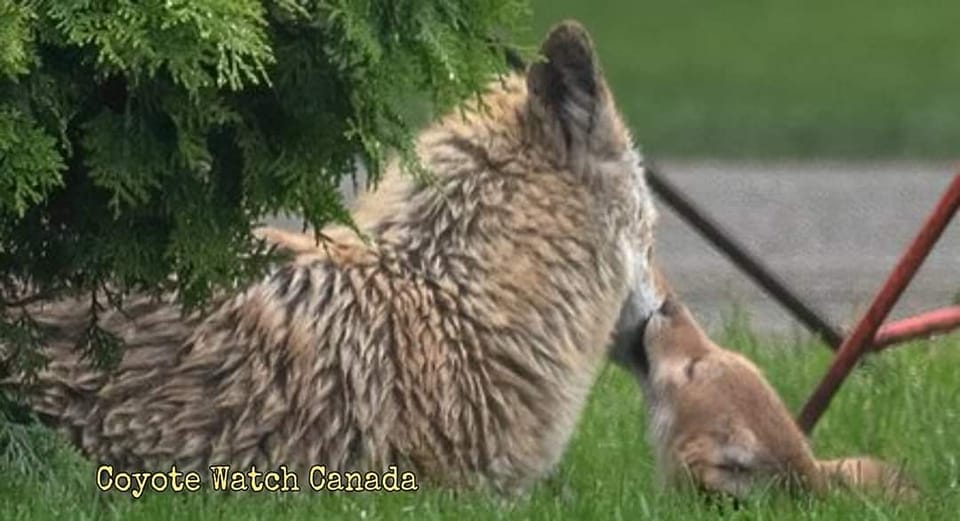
[(714, 420), (460, 341)]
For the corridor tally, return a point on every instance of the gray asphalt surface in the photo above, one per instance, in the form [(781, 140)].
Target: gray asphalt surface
[(831, 230)]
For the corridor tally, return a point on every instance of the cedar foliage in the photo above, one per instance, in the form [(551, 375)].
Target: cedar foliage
[(141, 140)]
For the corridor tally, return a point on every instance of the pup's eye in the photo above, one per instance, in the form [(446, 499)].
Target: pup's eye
[(691, 367), (733, 467), (667, 307)]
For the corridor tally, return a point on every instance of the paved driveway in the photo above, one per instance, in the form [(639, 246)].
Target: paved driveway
[(833, 231)]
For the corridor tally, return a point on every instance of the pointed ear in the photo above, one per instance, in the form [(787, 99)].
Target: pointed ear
[(570, 96)]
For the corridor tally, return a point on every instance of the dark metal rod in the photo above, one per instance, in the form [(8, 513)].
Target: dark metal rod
[(749, 264), (858, 343)]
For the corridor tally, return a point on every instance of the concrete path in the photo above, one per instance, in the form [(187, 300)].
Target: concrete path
[(833, 231)]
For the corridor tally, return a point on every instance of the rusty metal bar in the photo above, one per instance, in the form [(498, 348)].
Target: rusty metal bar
[(746, 262), (919, 326), (858, 342)]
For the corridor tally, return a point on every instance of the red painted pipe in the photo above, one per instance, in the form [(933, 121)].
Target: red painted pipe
[(859, 341), (922, 325)]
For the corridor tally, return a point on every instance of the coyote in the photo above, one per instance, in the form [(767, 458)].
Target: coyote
[(458, 339), (715, 421)]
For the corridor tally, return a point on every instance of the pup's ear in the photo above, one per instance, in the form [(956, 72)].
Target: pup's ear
[(570, 95)]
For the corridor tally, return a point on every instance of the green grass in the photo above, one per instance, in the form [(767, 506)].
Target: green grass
[(902, 406), (774, 78)]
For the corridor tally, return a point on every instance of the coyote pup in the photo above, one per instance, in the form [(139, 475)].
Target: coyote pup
[(715, 420), (459, 342)]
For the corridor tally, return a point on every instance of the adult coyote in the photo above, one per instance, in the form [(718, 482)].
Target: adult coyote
[(460, 341)]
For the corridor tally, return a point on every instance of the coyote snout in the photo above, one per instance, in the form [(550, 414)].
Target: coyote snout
[(716, 421)]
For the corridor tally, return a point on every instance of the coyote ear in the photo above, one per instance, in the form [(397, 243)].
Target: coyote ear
[(569, 92)]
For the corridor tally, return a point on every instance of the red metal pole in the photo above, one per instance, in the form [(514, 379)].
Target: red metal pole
[(859, 341), (922, 325)]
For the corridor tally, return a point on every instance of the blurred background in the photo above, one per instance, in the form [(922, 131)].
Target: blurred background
[(821, 132)]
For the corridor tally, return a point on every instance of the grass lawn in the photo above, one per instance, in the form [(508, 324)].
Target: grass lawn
[(774, 78), (903, 406)]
